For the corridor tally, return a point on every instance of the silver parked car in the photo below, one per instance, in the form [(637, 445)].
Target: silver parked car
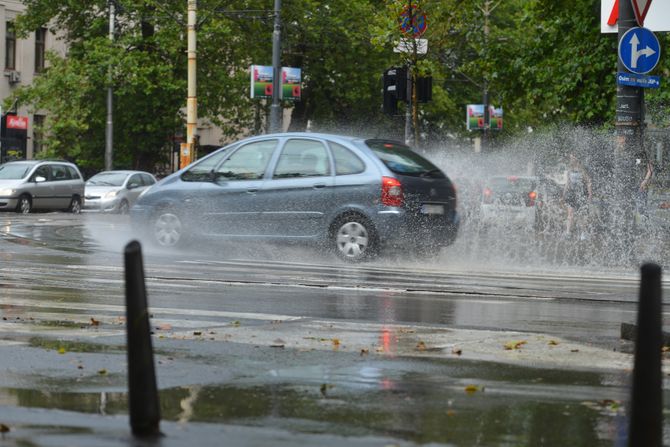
[(353, 196), (116, 191), (40, 184)]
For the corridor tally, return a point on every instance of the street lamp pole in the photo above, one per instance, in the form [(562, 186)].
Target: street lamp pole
[(109, 128), (275, 108)]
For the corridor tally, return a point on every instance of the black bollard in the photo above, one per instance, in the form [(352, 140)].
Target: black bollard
[(646, 409), (142, 390)]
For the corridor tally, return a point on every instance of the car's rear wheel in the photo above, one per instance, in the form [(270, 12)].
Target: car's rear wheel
[(25, 205), (167, 229), (354, 238), (123, 207), (75, 205)]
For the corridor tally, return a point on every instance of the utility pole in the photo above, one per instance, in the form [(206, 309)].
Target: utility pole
[(275, 108), (109, 128), (486, 10), (629, 131), (187, 149), (410, 67)]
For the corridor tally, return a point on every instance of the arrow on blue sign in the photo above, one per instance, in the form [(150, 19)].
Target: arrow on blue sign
[(639, 50)]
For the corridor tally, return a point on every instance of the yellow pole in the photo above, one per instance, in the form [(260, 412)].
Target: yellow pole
[(187, 150)]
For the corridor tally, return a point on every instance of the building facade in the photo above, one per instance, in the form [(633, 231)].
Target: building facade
[(22, 59)]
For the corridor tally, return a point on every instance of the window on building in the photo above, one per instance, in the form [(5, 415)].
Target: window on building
[(10, 46), (38, 133), (40, 48)]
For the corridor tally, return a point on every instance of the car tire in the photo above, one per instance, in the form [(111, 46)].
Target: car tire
[(25, 205), (167, 229), (354, 238), (124, 207), (75, 205)]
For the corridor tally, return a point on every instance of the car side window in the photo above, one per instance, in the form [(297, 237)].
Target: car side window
[(201, 171), (134, 181), (346, 162), (147, 180), (248, 162), (41, 171), (59, 173), (303, 158), (73, 173)]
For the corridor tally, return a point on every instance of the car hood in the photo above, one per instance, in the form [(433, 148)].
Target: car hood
[(11, 183), (100, 190)]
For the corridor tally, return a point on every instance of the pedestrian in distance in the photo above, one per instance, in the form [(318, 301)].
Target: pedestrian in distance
[(577, 192)]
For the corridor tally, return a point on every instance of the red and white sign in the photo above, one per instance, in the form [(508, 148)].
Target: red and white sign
[(654, 15), (17, 122), (640, 7)]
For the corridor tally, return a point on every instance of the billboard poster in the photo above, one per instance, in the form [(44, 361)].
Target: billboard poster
[(261, 82), (291, 79), (474, 117)]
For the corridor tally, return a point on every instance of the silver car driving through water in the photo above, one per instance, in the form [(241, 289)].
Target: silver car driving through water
[(353, 196)]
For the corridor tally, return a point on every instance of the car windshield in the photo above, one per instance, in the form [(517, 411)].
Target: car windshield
[(511, 184), (400, 159), (107, 179), (14, 171)]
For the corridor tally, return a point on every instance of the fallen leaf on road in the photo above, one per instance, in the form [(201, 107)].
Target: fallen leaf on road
[(470, 389), (95, 322), (511, 345), (364, 352), (456, 351), (574, 350), (197, 333), (102, 371), (553, 343), (61, 350), (278, 343), (4, 428), (421, 346), (325, 387), (336, 343)]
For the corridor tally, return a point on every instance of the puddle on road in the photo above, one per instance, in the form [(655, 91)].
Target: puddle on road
[(536, 408)]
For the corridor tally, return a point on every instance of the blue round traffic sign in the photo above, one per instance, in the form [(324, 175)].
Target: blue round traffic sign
[(639, 50)]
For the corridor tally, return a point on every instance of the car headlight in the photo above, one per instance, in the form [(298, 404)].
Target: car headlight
[(7, 192), (111, 194)]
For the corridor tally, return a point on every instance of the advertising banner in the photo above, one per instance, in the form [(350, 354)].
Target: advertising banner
[(261, 82), (474, 117)]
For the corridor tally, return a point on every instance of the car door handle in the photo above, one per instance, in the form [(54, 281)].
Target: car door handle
[(252, 190), (319, 185)]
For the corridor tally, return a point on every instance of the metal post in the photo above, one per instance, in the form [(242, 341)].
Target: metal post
[(408, 103), (629, 138), (109, 129), (275, 108), (143, 403), (187, 151), (646, 409)]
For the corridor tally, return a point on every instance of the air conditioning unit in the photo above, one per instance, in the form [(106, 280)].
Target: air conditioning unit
[(14, 76)]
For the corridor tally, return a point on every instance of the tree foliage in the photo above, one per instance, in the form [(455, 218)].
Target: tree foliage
[(543, 61)]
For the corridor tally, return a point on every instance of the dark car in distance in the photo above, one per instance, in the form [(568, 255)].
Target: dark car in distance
[(354, 196)]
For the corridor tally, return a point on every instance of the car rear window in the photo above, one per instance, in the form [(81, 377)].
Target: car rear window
[(514, 184), (402, 160)]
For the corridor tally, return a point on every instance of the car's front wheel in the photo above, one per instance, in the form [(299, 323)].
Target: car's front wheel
[(75, 205), (167, 229), (354, 238), (25, 205)]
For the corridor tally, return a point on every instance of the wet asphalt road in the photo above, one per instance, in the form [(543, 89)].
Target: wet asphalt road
[(290, 344)]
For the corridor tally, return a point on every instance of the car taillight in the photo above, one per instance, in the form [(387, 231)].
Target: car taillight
[(532, 196), (392, 194), (487, 196)]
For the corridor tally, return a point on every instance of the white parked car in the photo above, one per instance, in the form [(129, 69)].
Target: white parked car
[(116, 191)]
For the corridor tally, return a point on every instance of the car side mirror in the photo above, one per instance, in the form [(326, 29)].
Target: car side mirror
[(40, 179)]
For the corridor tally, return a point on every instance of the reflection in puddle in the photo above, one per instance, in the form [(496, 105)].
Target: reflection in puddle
[(433, 412)]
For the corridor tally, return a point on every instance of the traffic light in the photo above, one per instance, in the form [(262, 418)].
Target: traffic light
[(395, 89), (424, 89)]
